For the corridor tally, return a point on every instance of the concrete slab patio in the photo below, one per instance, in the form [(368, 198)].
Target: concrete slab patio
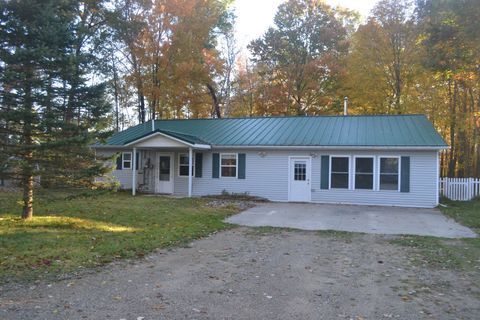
[(366, 219)]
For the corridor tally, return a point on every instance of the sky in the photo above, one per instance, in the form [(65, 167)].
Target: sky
[(255, 16)]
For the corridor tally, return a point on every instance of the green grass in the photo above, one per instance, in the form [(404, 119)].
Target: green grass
[(440, 253), (72, 231), (464, 212)]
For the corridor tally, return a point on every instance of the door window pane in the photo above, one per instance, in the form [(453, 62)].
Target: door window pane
[(364, 173), (340, 172), (164, 168), (389, 173), (300, 171)]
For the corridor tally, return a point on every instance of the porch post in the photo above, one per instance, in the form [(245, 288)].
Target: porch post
[(190, 165), (134, 171)]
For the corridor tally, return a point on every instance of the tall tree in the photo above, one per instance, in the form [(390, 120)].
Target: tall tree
[(127, 20), (54, 112), (300, 56), (171, 48), (382, 59), (452, 44)]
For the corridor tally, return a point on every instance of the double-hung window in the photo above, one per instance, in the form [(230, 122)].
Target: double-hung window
[(183, 165), (389, 173), (339, 176), (127, 160), (228, 165), (364, 173)]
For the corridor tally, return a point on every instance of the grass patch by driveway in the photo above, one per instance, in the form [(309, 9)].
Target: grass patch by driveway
[(450, 254), (72, 231)]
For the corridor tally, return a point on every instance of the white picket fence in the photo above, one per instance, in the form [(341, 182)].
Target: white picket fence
[(459, 189)]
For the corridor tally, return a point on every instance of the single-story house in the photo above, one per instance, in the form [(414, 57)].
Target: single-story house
[(371, 160)]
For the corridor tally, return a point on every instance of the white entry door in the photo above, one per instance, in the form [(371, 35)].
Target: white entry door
[(299, 179), (164, 173)]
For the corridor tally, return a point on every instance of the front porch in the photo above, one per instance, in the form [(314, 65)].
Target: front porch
[(163, 162)]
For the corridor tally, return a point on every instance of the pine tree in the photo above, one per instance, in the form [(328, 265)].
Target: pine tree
[(50, 111)]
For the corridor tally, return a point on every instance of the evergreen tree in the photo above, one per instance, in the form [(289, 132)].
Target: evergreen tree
[(50, 109)]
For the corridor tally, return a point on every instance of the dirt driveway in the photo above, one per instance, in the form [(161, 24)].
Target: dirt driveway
[(259, 274)]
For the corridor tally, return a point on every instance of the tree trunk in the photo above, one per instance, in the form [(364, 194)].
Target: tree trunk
[(216, 105), (28, 193), (115, 95), (139, 85), (27, 169), (453, 121)]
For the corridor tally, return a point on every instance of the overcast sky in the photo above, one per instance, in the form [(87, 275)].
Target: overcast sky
[(255, 16)]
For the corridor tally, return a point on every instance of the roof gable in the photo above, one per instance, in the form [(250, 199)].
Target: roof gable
[(325, 131)]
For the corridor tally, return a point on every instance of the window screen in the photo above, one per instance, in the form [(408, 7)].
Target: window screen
[(339, 172), (388, 173), (364, 173), (228, 165), (183, 165)]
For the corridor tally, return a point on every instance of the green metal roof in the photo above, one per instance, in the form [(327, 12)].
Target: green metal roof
[(351, 131)]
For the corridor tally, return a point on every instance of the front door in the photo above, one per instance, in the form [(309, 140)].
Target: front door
[(299, 179), (164, 174)]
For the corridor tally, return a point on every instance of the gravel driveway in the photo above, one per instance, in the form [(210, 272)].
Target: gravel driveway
[(253, 274)]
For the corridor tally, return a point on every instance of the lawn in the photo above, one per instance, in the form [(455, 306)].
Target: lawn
[(72, 231), (440, 253)]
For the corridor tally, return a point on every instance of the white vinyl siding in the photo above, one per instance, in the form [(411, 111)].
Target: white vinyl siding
[(423, 184), (267, 176)]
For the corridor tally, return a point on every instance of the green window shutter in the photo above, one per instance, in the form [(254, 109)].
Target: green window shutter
[(325, 168), (119, 161), (241, 165), (137, 160), (198, 164), (215, 165), (405, 174)]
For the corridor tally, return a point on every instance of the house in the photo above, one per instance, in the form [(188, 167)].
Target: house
[(371, 160)]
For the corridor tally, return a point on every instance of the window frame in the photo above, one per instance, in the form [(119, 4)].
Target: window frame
[(348, 173), (130, 166), (354, 172), (178, 164), (379, 168), (228, 166)]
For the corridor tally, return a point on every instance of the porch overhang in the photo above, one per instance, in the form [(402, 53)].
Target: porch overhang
[(165, 139)]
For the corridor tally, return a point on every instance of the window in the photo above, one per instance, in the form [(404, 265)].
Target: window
[(300, 171), (364, 173), (183, 165), (127, 160), (164, 168), (228, 165), (389, 173), (339, 173)]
